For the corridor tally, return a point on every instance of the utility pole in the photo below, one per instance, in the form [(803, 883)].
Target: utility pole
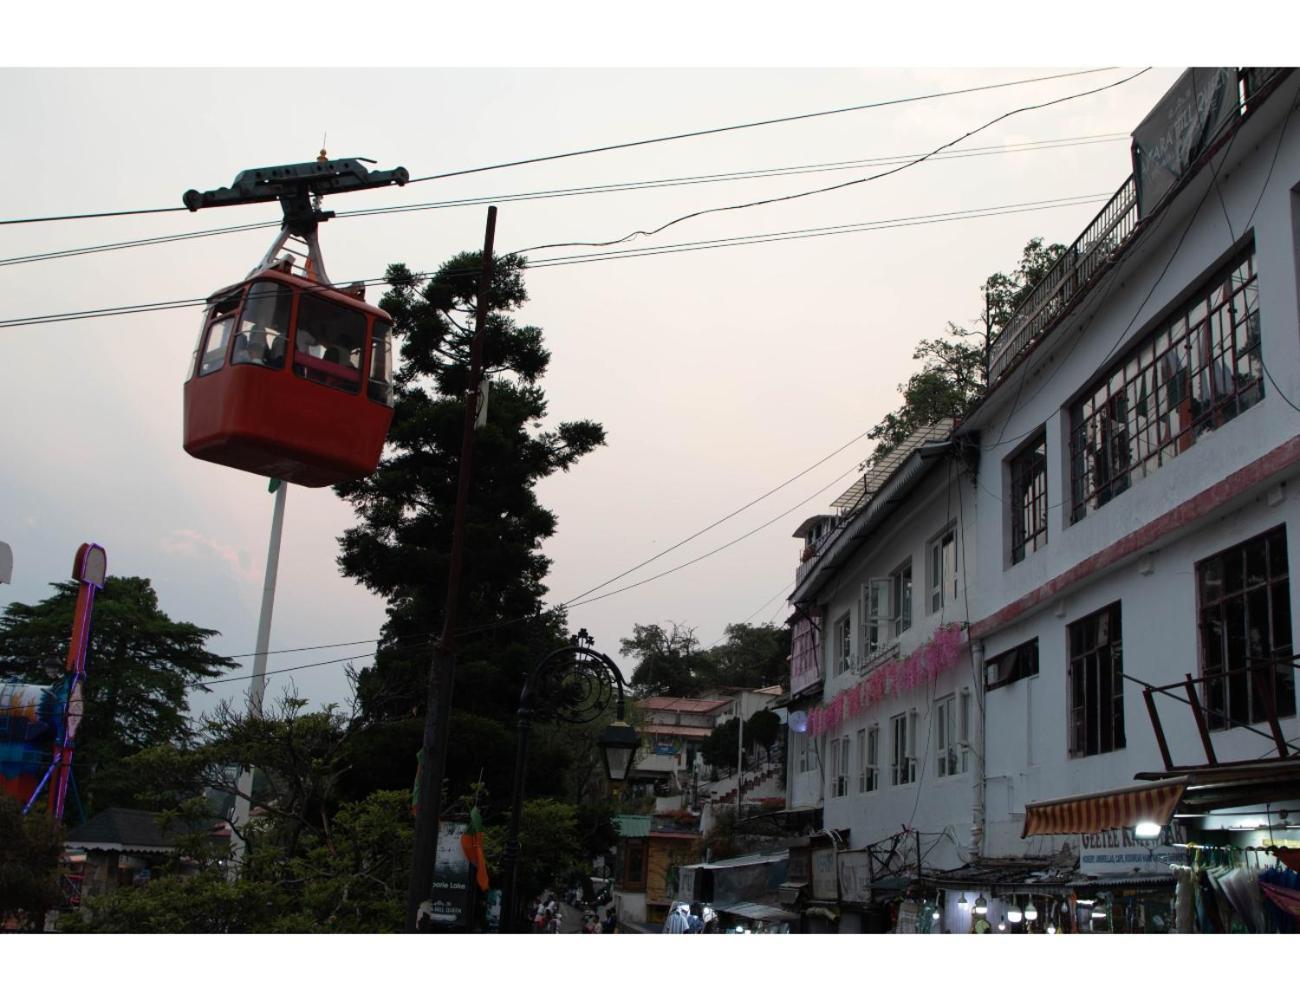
[(257, 685), (433, 755)]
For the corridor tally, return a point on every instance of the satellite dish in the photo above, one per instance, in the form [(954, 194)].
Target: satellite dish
[(799, 722)]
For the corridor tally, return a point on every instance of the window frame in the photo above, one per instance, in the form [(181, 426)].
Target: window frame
[(1024, 663), (1028, 504), (1114, 438), (1093, 727), (843, 647), (939, 579), (902, 737), (873, 758), (1221, 695)]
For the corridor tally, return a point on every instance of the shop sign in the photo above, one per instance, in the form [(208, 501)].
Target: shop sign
[(665, 749), (825, 880), (855, 877), (1118, 852), (450, 902), (1180, 128)]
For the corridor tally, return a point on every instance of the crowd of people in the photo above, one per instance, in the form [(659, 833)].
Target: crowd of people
[(547, 917), (691, 918)]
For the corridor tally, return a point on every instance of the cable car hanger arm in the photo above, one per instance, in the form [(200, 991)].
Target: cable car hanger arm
[(294, 185)]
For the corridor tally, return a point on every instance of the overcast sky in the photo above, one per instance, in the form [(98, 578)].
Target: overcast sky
[(716, 374)]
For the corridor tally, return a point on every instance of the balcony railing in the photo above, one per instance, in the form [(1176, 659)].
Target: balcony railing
[(1071, 275)]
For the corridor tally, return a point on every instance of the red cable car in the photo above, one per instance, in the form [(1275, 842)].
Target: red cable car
[(292, 377)]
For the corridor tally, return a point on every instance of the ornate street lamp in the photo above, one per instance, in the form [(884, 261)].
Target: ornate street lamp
[(573, 684)]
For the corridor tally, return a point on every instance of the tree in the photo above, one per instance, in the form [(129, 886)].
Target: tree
[(751, 656), (31, 847), (139, 667), (401, 545), (550, 846), (669, 662), (953, 371), (354, 882)]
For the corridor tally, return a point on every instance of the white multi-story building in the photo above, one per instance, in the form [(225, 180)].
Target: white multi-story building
[(1117, 515)]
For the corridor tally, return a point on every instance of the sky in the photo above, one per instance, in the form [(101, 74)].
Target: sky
[(717, 374)]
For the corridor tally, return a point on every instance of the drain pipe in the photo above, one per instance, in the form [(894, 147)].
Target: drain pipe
[(977, 813)]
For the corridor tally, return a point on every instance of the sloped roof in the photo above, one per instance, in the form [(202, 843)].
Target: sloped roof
[(129, 829), (658, 729), (668, 704), (126, 827)]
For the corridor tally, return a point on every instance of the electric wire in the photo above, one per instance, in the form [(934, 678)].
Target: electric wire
[(625, 145), (720, 243), (786, 513), (845, 184), (1035, 145)]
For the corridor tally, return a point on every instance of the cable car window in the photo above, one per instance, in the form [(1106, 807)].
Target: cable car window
[(329, 342), (220, 322), (381, 364), (263, 326)]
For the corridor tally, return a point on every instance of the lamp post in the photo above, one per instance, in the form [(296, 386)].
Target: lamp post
[(572, 684)]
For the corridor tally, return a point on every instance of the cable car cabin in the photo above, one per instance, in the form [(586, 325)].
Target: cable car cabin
[(291, 379)]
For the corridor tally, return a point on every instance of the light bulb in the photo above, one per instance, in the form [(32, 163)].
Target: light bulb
[(962, 901), (934, 915), (1031, 912), (1051, 928), (1014, 914), (981, 904), (1002, 925), (1146, 830)]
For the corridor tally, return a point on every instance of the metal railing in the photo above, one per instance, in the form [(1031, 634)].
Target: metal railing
[(1071, 275)]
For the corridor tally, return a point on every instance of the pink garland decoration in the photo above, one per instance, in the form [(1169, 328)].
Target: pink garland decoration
[(894, 677)]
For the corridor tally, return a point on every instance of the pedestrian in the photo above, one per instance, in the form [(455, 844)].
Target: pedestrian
[(610, 924), (677, 919)]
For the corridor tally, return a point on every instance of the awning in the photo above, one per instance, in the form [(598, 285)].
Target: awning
[(758, 911), (1122, 807)]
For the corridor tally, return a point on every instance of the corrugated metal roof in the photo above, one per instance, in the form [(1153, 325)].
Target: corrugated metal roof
[(758, 911), (878, 473), (632, 825), (662, 729)]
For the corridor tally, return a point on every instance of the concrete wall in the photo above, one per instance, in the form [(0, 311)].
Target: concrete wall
[(930, 804), (1141, 547)]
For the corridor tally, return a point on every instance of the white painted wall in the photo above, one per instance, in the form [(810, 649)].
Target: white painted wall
[(930, 804), (1027, 754)]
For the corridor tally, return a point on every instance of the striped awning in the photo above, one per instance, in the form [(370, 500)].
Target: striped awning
[(1122, 807)]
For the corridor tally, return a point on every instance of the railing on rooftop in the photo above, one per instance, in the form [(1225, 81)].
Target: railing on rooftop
[(1101, 244), (1071, 275)]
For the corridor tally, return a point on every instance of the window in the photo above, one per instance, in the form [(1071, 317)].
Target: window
[(1192, 374), (952, 721), (634, 865), (902, 765), (1096, 684), (869, 780), (1245, 618), (264, 326), (843, 646), (1029, 498), (888, 609), (329, 342), (943, 570), (806, 753), (381, 364), (839, 750), (216, 334), (1011, 666)]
